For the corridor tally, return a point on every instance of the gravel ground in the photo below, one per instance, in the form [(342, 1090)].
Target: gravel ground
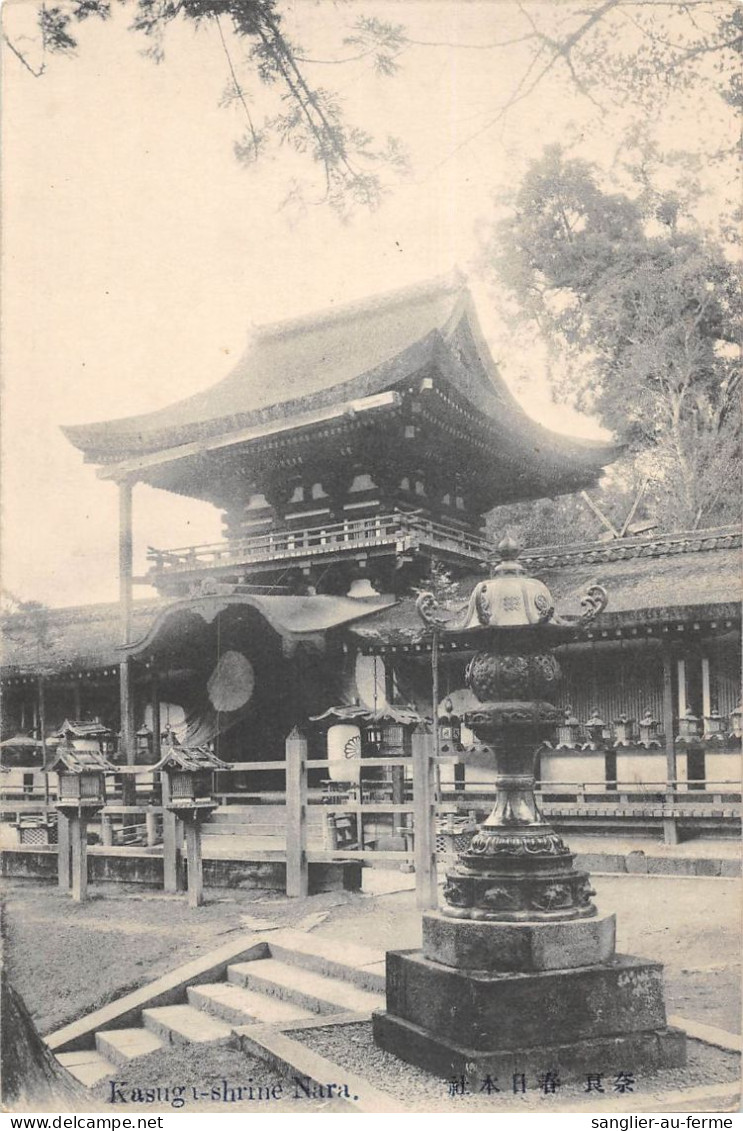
[(691, 925), (352, 1047), (66, 959)]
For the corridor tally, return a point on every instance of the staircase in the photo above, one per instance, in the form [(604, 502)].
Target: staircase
[(294, 981), (260, 823)]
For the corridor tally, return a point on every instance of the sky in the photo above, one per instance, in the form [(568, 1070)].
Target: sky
[(138, 254)]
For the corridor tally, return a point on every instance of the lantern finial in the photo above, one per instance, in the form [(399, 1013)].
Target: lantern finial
[(508, 548)]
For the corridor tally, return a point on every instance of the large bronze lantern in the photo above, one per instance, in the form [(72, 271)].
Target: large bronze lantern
[(517, 967), (516, 867)]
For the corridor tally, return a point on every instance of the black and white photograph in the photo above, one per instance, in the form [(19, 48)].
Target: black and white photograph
[(370, 658)]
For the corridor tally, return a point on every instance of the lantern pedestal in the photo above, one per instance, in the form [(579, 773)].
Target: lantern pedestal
[(187, 781), (597, 1019), (192, 815), (72, 849)]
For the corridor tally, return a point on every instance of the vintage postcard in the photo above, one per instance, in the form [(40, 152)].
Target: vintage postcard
[(371, 709)]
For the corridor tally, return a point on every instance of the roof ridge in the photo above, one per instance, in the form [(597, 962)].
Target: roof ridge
[(683, 541), (452, 281)]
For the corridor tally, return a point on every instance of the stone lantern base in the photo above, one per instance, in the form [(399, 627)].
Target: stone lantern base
[(499, 999)]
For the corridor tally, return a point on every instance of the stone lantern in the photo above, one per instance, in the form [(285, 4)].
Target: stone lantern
[(187, 776), (649, 729), (81, 793), (690, 728), (517, 968), (623, 731), (736, 723), (595, 729), (714, 726), (567, 731), (143, 743)]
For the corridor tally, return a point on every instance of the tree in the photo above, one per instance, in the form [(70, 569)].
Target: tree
[(610, 53), (30, 623), (642, 317)]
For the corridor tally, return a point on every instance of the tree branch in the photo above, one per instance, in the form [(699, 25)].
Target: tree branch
[(238, 89)]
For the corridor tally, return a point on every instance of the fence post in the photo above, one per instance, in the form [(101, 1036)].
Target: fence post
[(171, 843), (63, 852), (670, 831), (297, 872), (424, 816)]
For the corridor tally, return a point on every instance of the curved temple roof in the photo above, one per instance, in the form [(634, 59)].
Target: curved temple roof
[(292, 368)]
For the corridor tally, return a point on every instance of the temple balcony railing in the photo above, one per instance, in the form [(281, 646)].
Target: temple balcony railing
[(394, 533)]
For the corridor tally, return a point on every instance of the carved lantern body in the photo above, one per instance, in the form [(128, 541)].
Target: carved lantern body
[(189, 776), (516, 867), (81, 781)]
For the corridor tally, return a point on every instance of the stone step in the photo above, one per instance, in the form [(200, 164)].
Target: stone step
[(363, 966), (182, 1024), (317, 992), (239, 1006), (88, 1067), (121, 1046)]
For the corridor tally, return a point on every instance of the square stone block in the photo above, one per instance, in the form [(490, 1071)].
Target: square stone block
[(638, 1053), (468, 944), (487, 1010)]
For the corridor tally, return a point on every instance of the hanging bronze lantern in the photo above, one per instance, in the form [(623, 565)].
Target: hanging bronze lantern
[(450, 729)]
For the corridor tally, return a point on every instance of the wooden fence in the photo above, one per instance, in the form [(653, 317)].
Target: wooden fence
[(417, 818)]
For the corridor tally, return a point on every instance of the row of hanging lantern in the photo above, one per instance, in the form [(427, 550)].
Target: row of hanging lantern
[(712, 728)]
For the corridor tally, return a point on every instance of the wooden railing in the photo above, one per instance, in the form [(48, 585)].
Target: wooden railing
[(413, 819), (403, 531)]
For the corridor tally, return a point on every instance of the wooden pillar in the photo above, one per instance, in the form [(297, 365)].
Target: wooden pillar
[(681, 669), (435, 693), (125, 559), (63, 852), (126, 697), (155, 705), (195, 866), (107, 832), (150, 820), (668, 714), (79, 845), (398, 785), (42, 736), (706, 693), (172, 872), (424, 815), (297, 871)]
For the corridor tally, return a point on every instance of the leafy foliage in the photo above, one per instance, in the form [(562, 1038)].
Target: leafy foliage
[(311, 119), (645, 319), (28, 621)]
